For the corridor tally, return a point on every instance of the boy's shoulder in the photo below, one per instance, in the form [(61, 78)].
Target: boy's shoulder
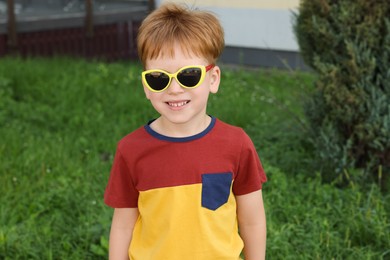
[(232, 136), (133, 138), (229, 130)]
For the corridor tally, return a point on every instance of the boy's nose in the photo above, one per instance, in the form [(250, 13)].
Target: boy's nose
[(174, 87)]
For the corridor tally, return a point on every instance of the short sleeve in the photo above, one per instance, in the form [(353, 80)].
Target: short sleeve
[(120, 191), (250, 175)]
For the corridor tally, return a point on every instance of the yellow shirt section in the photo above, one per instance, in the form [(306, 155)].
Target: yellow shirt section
[(173, 225)]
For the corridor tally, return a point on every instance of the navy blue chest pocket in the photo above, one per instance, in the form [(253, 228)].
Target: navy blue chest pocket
[(215, 189)]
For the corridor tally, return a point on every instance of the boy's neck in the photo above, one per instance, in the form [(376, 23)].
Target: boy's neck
[(180, 130)]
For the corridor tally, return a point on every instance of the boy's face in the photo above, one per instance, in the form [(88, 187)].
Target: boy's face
[(176, 104)]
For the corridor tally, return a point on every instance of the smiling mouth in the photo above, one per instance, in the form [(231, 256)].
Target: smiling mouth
[(178, 104)]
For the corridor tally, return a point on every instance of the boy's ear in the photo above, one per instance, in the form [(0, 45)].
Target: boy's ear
[(146, 90), (215, 79)]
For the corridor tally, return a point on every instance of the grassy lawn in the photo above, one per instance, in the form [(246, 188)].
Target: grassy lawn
[(60, 120)]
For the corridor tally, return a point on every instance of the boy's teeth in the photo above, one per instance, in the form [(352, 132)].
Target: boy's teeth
[(177, 104)]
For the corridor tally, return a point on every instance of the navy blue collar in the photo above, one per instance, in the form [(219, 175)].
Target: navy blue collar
[(179, 139)]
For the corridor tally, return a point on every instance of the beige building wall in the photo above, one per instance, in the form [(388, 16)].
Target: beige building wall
[(260, 24), (260, 4)]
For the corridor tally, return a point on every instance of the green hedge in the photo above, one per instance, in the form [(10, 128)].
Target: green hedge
[(347, 43)]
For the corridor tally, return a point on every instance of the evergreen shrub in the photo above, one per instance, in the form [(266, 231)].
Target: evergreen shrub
[(347, 43)]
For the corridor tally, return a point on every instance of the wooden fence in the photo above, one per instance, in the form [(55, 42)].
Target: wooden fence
[(107, 35)]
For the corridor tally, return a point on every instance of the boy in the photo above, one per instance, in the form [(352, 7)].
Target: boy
[(183, 184)]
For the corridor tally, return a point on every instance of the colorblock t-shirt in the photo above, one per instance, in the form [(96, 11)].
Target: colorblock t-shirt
[(185, 191)]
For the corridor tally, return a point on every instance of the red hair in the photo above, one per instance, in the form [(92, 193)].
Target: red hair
[(197, 32)]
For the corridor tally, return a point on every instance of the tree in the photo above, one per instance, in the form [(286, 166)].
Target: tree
[(347, 43)]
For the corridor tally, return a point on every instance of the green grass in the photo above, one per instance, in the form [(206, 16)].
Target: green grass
[(60, 120)]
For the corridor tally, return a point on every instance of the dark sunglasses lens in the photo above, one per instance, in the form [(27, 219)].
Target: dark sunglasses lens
[(189, 77), (157, 80)]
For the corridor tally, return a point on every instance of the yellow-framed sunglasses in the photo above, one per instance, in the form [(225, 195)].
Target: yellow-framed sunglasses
[(188, 77)]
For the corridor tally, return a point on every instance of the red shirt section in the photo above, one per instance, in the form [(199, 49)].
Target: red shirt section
[(145, 161)]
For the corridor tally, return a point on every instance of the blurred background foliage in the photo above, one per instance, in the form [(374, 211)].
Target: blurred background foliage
[(347, 44)]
